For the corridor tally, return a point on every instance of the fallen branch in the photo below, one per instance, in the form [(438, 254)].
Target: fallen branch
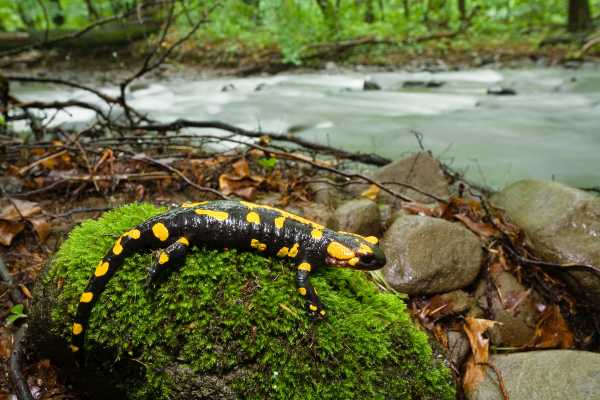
[(17, 379)]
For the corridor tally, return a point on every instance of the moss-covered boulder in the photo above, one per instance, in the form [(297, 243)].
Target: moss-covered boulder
[(230, 325)]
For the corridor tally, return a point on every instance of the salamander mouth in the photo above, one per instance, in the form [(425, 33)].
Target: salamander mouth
[(335, 262)]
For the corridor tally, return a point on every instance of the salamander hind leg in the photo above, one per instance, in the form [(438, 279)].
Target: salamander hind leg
[(308, 292), (169, 259)]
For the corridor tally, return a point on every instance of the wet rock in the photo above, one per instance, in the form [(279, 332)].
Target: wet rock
[(260, 87), (542, 375), (512, 305), (429, 255), (228, 88), (455, 302), (501, 91), (319, 213), (563, 224), (359, 216), (419, 170), (458, 347), (137, 86), (370, 85), (422, 84), (324, 192)]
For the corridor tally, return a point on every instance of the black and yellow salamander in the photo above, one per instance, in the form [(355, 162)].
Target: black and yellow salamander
[(232, 224)]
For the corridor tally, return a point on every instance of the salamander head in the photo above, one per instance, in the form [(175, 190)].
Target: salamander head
[(348, 250)]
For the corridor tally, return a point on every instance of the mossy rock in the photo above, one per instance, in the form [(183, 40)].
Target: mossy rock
[(230, 325)]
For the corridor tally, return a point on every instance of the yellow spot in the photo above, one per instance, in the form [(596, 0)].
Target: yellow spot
[(322, 312), (77, 328), (218, 215), (134, 234), (353, 261), (302, 291), (163, 258), (117, 248), (86, 297), (316, 234), (364, 249), (372, 239), (283, 252), (294, 250), (101, 269), (183, 240), (160, 231), (249, 205), (188, 204), (313, 307), (279, 221), (74, 349), (304, 267), (253, 218), (254, 243), (339, 251)]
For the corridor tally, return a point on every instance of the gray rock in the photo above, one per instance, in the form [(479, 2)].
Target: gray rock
[(458, 347), (429, 255), (317, 212), (563, 224), (513, 306), (455, 302), (359, 216), (501, 91), (325, 193), (543, 375), (422, 84), (370, 85), (419, 170)]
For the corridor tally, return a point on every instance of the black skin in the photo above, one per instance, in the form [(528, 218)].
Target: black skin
[(231, 224)]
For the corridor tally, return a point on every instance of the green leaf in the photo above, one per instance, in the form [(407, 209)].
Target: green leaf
[(268, 163), (17, 309)]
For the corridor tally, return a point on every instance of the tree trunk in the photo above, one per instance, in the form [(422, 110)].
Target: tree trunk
[(329, 11), (406, 4), (579, 15), (462, 10)]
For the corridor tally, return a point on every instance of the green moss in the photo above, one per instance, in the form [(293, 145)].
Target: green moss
[(228, 311)]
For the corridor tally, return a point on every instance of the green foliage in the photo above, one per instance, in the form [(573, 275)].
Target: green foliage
[(16, 313), (231, 311), (268, 163)]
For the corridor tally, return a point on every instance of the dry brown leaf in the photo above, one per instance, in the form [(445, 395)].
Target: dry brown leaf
[(480, 346), (371, 193), (474, 375), (241, 168), (25, 209), (41, 227), (552, 331), (8, 230), (483, 230), (25, 291), (421, 209)]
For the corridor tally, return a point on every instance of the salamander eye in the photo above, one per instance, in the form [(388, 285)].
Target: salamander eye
[(367, 258)]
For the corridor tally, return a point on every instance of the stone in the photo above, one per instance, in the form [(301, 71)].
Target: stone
[(563, 224), (359, 216), (513, 306), (324, 192), (451, 303), (501, 91), (422, 84), (228, 87), (429, 255), (370, 85), (319, 213), (458, 347), (11, 184), (542, 375), (419, 170)]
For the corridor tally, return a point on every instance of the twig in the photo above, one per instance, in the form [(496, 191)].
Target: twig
[(17, 379), (81, 210), (15, 294), (501, 384)]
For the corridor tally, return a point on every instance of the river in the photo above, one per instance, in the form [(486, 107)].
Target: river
[(550, 129)]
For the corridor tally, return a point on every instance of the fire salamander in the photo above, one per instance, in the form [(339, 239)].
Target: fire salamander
[(232, 224)]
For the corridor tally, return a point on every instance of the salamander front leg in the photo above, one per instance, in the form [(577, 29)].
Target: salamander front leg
[(306, 290), (168, 259)]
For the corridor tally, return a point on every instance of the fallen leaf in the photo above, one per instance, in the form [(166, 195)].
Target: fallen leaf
[(421, 209), (25, 209), (25, 291), (8, 230), (552, 331), (474, 375), (475, 328), (41, 227), (371, 193), (241, 168), (482, 229)]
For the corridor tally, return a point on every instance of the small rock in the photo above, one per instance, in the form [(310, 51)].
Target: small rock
[(458, 347), (331, 66), (370, 85), (319, 213), (324, 192), (422, 84), (260, 87), (513, 306), (137, 86), (359, 216), (542, 375), (228, 88), (419, 170), (429, 255), (563, 223), (501, 91), (455, 302), (11, 184)]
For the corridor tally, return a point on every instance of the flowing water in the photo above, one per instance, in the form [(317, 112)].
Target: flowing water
[(549, 130)]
